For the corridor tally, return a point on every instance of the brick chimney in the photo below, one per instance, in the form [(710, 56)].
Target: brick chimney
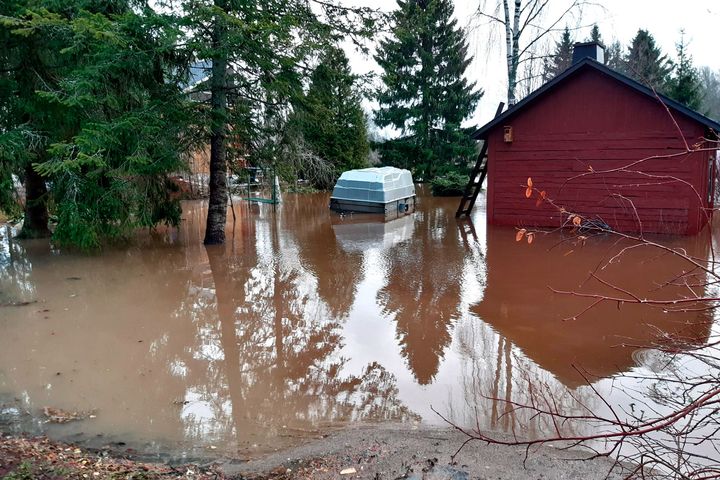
[(594, 50)]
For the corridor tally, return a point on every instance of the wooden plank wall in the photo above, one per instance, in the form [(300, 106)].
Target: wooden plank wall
[(593, 122)]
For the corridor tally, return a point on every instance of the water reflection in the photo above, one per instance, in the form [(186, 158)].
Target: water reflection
[(558, 332), (361, 232), (14, 270), (422, 293), (535, 347), (271, 338), (307, 320), (336, 270)]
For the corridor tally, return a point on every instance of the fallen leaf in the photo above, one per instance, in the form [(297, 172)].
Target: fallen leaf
[(348, 471), (529, 182), (528, 192), (577, 220), (57, 415), (530, 238), (519, 234)]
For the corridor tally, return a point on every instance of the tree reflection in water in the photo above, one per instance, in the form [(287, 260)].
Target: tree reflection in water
[(525, 326), (270, 346), (244, 344), (336, 271), (15, 270), (423, 291)]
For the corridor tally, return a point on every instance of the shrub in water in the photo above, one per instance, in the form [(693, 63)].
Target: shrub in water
[(451, 184)]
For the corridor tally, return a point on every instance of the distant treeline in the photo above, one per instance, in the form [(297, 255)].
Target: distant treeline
[(644, 61)]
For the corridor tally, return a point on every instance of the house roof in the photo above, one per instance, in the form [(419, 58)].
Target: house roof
[(584, 64)]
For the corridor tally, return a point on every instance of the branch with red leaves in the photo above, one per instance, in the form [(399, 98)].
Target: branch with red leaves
[(677, 433)]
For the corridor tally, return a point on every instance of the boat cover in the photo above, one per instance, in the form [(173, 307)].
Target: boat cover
[(376, 185)]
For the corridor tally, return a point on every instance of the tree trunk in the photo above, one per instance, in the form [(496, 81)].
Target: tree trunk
[(217, 205), (508, 54), (427, 69), (515, 51), (512, 47), (35, 224)]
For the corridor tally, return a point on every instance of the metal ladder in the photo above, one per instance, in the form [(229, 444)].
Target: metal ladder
[(472, 189)]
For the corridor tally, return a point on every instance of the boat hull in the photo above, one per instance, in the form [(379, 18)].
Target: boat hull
[(402, 205)]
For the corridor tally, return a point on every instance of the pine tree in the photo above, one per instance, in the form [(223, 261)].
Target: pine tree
[(425, 95), (561, 60), (684, 85), (646, 63), (330, 117)]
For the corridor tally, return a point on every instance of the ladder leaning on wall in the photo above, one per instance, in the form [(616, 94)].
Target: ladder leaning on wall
[(477, 177)]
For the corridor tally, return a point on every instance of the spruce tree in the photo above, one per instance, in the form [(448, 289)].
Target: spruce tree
[(595, 34), (614, 57), (710, 92), (684, 85), (330, 117), (646, 63), (30, 61), (258, 53), (561, 59), (91, 109), (425, 95)]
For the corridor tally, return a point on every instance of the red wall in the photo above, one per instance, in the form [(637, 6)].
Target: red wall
[(592, 120)]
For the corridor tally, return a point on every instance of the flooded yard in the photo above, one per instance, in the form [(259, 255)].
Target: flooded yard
[(306, 321)]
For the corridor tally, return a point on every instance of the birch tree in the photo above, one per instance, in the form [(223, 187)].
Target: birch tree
[(526, 25)]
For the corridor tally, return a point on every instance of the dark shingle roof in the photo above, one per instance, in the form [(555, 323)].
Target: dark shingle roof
[(590, 63)]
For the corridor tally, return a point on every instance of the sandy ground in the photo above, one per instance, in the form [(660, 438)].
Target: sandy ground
[(367, 452), (403, 453)]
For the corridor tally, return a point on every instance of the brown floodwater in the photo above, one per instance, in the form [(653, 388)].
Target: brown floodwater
[(307, 321)]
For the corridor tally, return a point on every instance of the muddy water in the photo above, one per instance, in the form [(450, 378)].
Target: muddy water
[(307, 321)]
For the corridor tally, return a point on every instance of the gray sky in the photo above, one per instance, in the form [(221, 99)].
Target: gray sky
[(617, 19)]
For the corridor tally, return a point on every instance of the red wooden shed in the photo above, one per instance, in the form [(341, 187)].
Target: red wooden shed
[(606, 147)]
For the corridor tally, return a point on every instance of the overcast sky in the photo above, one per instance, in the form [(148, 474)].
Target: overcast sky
[(617, 19)]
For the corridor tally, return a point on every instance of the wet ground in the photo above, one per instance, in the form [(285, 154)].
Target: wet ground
[(307, 321)]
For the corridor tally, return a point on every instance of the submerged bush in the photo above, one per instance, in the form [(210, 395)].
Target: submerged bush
[(451, 184)]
